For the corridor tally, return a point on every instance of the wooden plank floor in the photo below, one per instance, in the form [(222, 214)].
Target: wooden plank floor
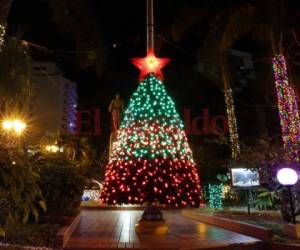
[(115, 229)]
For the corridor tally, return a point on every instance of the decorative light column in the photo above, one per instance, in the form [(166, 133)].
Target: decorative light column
[(215, 195), (2, 33), (288, 107), (232, 124)]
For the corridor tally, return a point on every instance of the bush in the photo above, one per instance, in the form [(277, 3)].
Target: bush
[(267, 199), (20, 196), (62, 185)]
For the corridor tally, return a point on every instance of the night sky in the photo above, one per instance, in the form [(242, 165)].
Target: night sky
[(113, 31), (93, 41)]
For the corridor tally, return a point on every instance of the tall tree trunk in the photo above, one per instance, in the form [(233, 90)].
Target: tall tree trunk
[(287, 108), (4, 11), (286, 99), (230, 109)]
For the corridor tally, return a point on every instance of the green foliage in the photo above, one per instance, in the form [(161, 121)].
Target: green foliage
[(15, 78), (79, 150), (266, 199), (41, 235), (20, 196), (62, 184), (223, 178)]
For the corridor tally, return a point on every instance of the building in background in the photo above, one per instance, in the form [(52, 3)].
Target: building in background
[(54, 101)]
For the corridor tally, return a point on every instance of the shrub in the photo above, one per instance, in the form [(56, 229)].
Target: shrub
[(266, 199), (20, 196), (62, 185)]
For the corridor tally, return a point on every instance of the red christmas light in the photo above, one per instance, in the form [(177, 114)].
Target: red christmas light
[(150, 64)]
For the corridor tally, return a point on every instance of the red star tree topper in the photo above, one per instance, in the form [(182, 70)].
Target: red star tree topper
[(150, 64)]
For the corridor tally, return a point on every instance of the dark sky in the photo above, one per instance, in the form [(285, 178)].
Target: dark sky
[(93, 41), (115, 31)]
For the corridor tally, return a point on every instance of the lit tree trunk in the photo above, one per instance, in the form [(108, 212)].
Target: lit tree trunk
[(4, 10), (287, 102), (287, 107), (230, 110)]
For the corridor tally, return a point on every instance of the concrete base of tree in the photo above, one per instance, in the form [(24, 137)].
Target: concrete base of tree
[(151, 227), (291, 230)]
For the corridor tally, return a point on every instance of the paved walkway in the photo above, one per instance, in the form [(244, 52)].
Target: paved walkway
[(115, 229)]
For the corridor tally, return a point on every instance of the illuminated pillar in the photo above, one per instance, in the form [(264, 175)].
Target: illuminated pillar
[(2, 33), (232, 124), (4, 11), (215, 195), (287, 106)]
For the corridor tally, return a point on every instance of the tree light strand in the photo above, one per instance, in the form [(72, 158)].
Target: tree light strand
[(215, 195), (287, 106), (2, 33), (232, 124), (151, 160)]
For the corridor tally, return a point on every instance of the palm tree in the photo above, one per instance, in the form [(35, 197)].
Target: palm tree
[(274, 24), (15, 71), (219, 39), (15, 78), (83, 30), (4, 10)]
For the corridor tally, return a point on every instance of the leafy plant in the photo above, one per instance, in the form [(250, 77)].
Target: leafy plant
[(20, 196), (266, 198), (62, 184)]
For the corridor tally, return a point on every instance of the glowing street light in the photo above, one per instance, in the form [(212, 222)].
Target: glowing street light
[(16, 125), (7, 125), (288, 177)]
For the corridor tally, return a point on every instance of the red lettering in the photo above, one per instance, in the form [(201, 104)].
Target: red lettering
[(187, 121), (83, 123), (215, 129), (205, 123), (97, 125)]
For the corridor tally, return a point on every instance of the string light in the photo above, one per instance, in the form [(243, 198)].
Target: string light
[(71, 98), (215, 195), (2, 33), (232, 124), (287, 106), (151, 159)]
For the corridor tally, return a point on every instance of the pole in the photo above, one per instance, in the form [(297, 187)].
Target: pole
[(150, 26), (291, 204), (248, 201)]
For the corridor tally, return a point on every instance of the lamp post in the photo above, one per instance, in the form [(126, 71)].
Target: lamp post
[(15, 128), (288, 177)]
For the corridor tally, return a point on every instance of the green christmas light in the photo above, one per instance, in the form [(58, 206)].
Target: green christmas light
[(151, 159), (215, 195)]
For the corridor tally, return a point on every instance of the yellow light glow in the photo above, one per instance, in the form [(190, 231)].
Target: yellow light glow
[(15, 125), (152, 62), (201, 228), (7, 125), (19, 126), (52, 148)]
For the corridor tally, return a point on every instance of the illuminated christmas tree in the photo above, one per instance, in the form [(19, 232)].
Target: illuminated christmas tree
[(151, 160)]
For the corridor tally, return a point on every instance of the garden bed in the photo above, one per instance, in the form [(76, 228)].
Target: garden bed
[(36, 235), (267, 219)]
